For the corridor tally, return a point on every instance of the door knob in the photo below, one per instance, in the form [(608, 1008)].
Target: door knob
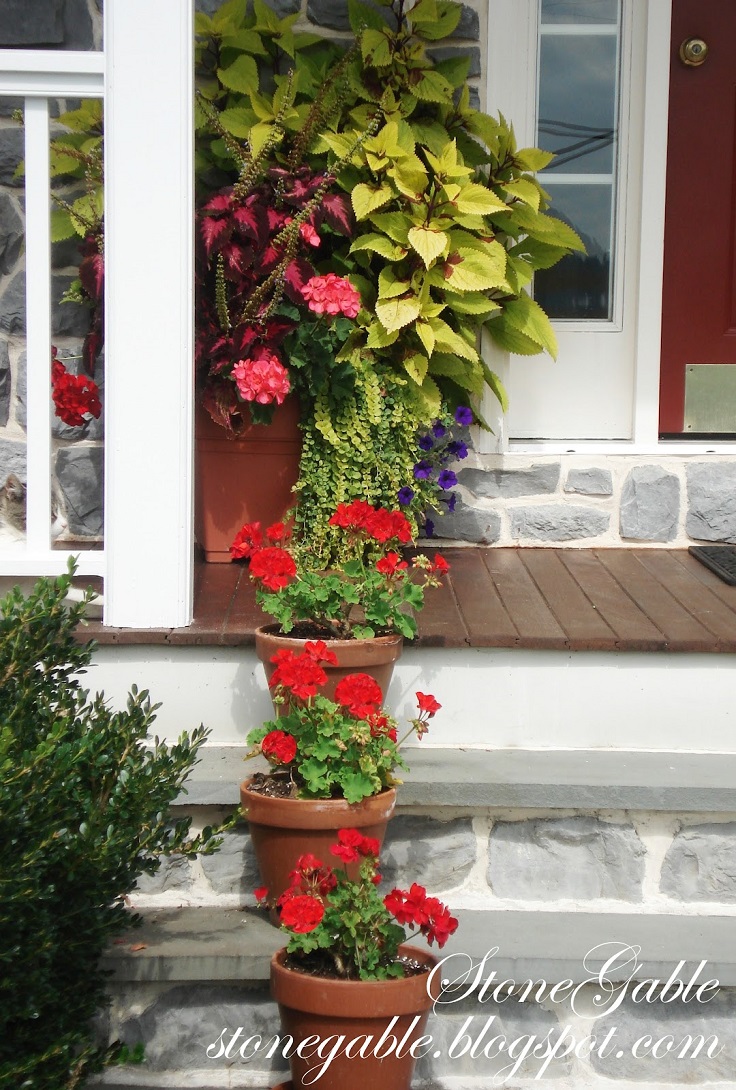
[(693, 52)]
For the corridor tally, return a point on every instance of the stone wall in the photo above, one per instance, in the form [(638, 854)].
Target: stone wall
[(480, 862), (592, 859), (589, 500)]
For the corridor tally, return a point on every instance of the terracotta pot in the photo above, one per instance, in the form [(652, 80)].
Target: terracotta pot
[(375, 657), (248, 479), (283, 829), (312, 1005)]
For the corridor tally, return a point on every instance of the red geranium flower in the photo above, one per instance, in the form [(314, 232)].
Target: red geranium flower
[(247, 540), (440, 565), (352, 844), (427, 704), (320, 652), (75, 396), (273, 566), (302, 913), (300, 674), (390, 564), (360, 694), (279, 747)]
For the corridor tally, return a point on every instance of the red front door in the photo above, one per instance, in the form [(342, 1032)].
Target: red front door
[(699, 305)]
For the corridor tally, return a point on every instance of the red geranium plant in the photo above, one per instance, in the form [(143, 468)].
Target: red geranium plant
[(376, 593), (343, 926), (342, 748)]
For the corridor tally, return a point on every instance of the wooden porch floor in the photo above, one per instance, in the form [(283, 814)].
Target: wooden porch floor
[(552, 599)]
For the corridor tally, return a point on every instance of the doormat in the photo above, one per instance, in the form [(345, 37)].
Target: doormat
[(721, 559)]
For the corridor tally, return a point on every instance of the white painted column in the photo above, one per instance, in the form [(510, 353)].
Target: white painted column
[(149, 313)]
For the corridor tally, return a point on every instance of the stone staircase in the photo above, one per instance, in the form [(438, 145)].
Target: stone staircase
[(579, 869)]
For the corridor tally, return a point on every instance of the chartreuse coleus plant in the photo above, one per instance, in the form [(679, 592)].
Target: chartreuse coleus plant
[(452, 222), (85, 798)]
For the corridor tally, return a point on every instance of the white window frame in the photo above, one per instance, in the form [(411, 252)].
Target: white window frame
[(146, 79), (511, 88)]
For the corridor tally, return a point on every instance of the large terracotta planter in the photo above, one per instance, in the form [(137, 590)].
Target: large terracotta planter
[(313, 1005), (375, 657), (283, 829), (248, 479)]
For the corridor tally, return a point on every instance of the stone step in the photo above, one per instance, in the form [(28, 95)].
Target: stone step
[(189, 979), (526, 778)]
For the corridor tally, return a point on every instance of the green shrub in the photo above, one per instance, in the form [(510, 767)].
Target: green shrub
[(84, 811)]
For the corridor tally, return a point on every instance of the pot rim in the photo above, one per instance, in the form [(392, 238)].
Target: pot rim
[(356, 998), (320, 813), (271, 631)]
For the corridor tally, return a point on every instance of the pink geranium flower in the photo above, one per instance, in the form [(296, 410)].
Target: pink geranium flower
[(332, 295), (262, 378)]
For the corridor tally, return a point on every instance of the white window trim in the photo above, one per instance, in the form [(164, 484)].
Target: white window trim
[(511, 91), (149, 335)]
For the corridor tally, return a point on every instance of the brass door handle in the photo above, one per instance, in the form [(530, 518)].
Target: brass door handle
[(693, 52)]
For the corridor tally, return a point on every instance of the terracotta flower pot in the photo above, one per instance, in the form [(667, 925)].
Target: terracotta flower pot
[(283, 829), (314, 1005), (375, 657), (248, 479)]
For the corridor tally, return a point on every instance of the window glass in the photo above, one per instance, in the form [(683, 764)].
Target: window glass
[(578, 96)]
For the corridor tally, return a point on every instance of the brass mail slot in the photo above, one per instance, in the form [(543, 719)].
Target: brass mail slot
[(710, 397)]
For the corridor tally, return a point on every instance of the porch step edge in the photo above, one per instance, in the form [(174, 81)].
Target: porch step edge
[(212, 944), (528, 779)]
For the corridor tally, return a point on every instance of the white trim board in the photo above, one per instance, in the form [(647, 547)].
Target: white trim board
[(505, 698)]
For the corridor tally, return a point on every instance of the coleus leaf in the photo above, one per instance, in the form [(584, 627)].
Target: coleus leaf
[(337, 213), (215, 233), (92, 275), (296, 275)]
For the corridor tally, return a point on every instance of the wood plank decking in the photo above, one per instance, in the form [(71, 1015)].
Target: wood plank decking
[(558, 599)]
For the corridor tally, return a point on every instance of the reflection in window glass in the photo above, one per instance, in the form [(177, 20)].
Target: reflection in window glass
[(577, 101), (579, 286), (577, 120), (579, 11)]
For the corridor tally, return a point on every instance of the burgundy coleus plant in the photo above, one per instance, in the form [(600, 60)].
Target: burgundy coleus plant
[(255, 247)]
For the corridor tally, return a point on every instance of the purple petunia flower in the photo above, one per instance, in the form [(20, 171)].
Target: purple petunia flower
[(406, 495), (463, 415), (438, 430), (425, 442), (451, 502), (422, 470), (428, 528), (447, 479), (457, 449)]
